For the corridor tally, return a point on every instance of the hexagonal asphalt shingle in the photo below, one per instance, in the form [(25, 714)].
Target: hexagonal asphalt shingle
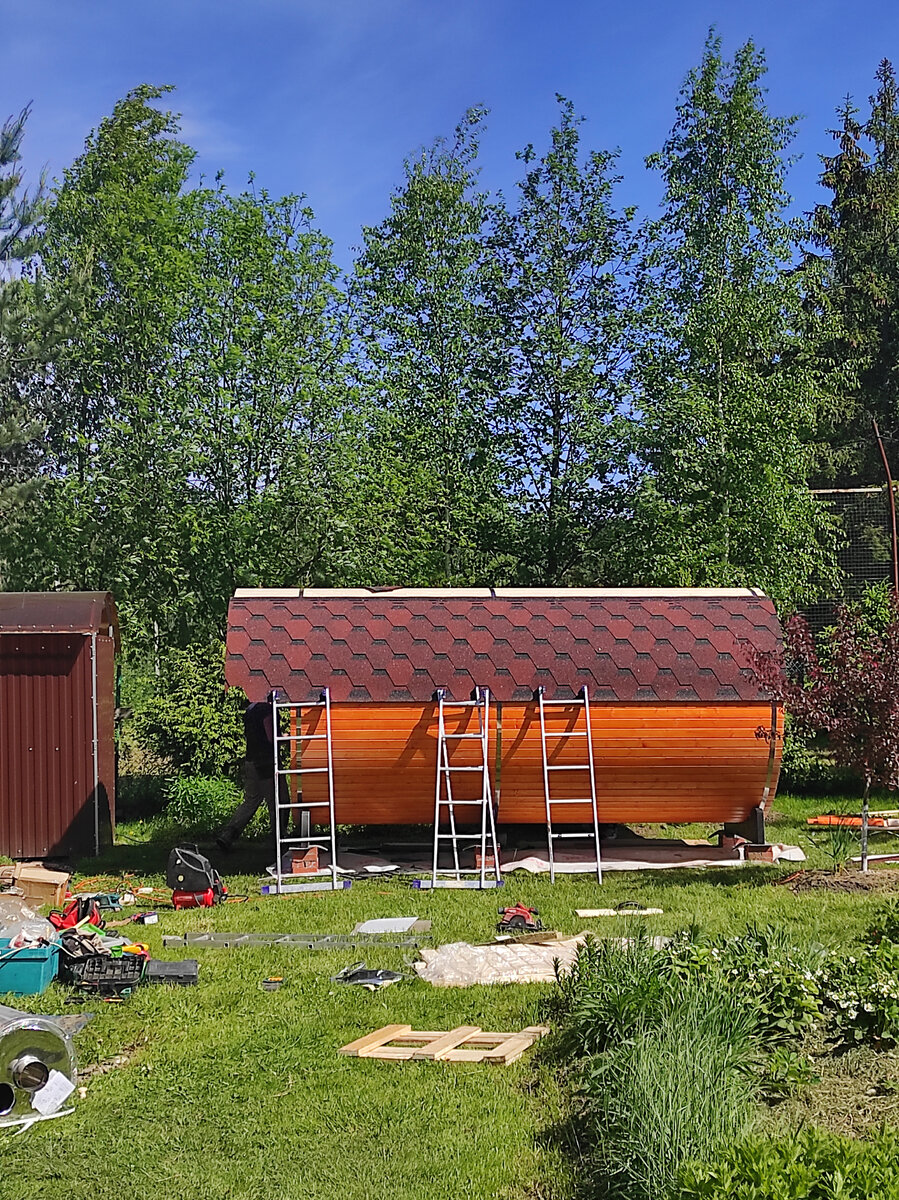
[(681, 646)]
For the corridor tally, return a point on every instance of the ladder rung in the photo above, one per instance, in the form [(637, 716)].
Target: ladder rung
[(303, 737), (306, 804), (565, 733), (570, 800), (304, 771), (300, 707), (564, 703), (452, 768), (585, 837), (461, 737), (306, 841), (566, 767)]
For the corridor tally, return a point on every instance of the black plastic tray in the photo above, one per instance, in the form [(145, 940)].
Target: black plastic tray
[(107, 975)]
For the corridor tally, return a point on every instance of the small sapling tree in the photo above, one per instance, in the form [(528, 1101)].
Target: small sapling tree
[(847, 688)]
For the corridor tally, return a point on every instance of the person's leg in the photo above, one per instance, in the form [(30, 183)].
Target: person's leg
[(284, 798), (255, 793)]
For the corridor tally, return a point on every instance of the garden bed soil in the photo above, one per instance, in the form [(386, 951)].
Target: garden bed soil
[(882, 880)]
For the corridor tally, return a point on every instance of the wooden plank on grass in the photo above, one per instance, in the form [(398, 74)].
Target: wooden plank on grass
[(514, 1046), (365, 1046), (441, 1046)]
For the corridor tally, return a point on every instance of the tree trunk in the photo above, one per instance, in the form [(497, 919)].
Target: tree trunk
[(865, 825)]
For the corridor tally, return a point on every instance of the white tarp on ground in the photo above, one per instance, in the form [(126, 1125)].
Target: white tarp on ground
[(625, 857), (459, 964), (637, 858)]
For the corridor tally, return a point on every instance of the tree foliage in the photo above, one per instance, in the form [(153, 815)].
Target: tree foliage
[(560, 293), (425, 359), (724, 411), (856, 296), (29, 330)]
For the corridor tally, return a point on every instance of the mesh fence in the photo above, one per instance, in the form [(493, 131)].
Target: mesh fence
[(865, 555)]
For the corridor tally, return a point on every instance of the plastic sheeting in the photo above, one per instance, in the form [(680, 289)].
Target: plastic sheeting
[(460, 964)]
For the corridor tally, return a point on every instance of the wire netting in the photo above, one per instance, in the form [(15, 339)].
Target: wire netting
[(864, 555)]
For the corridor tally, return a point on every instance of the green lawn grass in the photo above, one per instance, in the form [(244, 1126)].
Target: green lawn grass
[(232, 1091)]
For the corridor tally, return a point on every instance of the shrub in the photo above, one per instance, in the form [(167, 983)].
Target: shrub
[(680, 1089), (813, 1165), (190, 718), (613, 987), (780, 983), (862, 991), (199, 803)]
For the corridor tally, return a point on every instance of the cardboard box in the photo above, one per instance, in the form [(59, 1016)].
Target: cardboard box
[(38, 885)]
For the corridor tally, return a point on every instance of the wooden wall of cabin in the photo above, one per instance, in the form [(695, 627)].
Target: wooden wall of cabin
[(653, 762)]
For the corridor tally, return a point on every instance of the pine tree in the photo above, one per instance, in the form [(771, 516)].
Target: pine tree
[(856, 301)]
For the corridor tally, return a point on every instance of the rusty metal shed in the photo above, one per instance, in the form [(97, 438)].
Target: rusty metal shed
[(57, 722)]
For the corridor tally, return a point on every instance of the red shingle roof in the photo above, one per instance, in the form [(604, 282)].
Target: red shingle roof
[(401, 645)]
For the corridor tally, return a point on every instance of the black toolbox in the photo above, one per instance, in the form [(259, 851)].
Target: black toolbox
[(106, 975), (180, 973)]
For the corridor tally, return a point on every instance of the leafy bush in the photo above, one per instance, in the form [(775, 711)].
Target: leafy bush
[(807, 767), (190, 718), (779, 982), (862, 991), (199, 803), (786, 1072), (811, 1166)]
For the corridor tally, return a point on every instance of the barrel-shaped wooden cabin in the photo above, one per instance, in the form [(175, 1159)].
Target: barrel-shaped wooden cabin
[(681, 730)]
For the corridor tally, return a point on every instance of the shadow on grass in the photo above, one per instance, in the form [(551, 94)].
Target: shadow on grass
[(570, 1135), (146, 851)]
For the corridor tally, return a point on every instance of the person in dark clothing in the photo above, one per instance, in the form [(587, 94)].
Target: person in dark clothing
[(257, 773)]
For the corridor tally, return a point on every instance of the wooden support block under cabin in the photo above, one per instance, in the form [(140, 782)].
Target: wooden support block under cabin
[(304, 862), (758, 853)]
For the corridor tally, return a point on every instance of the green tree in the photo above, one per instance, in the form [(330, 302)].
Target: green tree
[(562, 294), (727, 411), (118, 224), (29, 329), (856, 296), (424, 352), (257, 394)]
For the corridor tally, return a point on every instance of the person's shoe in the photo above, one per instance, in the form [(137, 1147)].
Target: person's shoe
[(223, 844)]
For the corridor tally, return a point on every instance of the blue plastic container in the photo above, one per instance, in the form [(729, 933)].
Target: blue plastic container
[(27, 972)]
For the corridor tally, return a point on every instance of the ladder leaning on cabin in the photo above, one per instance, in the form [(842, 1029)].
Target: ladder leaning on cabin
[(446, 799), (296, 739), (581, 702)]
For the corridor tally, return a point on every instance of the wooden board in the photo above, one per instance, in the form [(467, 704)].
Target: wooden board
[(654, 762), (466, 1043)]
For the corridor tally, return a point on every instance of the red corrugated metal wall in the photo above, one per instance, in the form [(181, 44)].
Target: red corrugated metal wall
[(47, 787)]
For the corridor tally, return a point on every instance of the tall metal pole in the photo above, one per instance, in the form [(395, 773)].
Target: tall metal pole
[(886, 467)]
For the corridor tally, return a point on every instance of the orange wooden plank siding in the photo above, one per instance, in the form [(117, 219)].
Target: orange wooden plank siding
[(653, 762)]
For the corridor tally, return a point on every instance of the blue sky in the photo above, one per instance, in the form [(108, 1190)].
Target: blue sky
[(328, 97)]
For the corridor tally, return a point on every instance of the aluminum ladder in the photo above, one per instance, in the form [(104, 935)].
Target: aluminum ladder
[(445, 798), (296, 739), (559, 738)]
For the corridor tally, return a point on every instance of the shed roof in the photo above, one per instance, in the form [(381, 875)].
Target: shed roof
[(400, 645), (59, 612)]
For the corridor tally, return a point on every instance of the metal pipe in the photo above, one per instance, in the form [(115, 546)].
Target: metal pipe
[(886, 467), (96, 721)]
